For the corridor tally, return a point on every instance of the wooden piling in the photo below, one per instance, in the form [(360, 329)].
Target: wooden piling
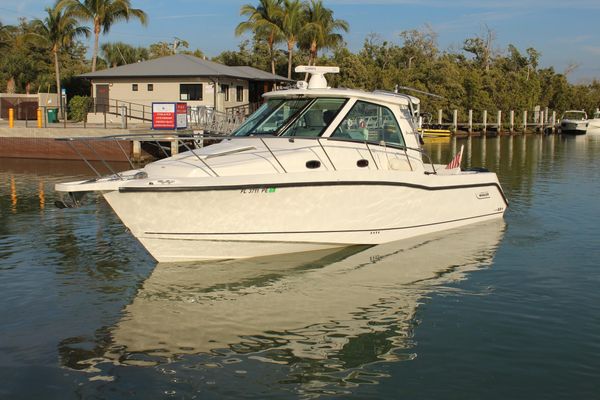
[(440, 114), (454, 121), (512, 121), (499, 121), (136, 150), (525, 121), (470, 121), (484, 121)]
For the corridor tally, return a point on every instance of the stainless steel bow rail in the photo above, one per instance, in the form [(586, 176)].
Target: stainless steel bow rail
[(193, 141)]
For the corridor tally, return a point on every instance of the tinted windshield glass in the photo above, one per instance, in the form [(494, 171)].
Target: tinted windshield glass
[(316, 118), (574, 115), (269, 118)]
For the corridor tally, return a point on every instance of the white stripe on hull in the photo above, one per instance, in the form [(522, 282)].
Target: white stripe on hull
[(176, 249)]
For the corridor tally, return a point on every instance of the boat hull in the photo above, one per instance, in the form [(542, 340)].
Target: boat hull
[(197, 223), (573, 127)]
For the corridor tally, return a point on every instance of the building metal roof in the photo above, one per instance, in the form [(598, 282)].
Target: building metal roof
[(180, 65)]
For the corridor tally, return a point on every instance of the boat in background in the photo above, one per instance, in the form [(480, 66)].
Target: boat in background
[(314, 168), (435, 135), (573, 122), (593, 128)]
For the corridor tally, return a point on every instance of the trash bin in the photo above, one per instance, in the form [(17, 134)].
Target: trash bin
[(52, 114)]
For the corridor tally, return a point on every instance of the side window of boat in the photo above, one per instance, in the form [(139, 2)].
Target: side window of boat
[(316, 118), (372, 122)]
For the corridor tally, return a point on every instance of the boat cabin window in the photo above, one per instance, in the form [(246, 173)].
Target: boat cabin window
[(271, 117), (575, 115), (316, 118), (371, 122)]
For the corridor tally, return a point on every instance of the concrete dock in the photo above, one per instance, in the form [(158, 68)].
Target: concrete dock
[(26, 141)]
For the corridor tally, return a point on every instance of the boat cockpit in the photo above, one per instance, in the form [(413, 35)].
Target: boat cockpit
[(379, 118)]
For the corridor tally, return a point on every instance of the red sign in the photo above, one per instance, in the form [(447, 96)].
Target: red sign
[(163, 116), (169, 115), (181, 115)]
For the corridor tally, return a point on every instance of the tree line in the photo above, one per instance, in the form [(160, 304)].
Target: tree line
[(48, 53)]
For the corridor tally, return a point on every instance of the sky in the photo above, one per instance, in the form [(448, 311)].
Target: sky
[(566, 32)]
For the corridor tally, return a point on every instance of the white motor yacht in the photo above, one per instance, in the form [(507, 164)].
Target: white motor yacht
[(313, 168), (573, 122)]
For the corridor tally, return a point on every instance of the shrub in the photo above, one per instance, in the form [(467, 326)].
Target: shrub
[(79, 107)]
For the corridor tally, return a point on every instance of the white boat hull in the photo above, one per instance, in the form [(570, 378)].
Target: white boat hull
[(238, 221), (569, 127)]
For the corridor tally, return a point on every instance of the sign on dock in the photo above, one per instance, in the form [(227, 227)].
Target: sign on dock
[(169, 115)]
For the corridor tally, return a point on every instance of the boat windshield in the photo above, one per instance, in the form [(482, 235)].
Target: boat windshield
[(575, 115), (271, 117)]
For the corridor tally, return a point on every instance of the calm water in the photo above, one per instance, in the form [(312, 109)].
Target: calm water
[(495, 311)]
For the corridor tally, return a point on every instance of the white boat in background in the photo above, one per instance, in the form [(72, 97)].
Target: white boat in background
[(573, 122), (313, 168), (593, 128)]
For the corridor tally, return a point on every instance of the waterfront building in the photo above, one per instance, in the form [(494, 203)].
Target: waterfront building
[(179, 77)]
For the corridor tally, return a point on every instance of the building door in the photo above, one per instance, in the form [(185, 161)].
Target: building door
[(102, 98)]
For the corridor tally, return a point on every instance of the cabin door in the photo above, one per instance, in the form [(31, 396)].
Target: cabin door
[(102, 98)]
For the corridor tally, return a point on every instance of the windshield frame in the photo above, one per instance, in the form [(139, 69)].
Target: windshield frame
[(278, 104)]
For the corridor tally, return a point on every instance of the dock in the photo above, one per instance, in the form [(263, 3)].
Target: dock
[(26, 140)]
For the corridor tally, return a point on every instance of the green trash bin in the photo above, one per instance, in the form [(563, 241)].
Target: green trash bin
[(52, 114)]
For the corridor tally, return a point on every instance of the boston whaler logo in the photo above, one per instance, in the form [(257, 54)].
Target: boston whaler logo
[(483, 195)]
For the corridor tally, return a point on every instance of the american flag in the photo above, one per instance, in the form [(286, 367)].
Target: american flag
[(455, 163)]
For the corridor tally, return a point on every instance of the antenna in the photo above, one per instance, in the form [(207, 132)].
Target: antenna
[(419, 91), (317, 78)]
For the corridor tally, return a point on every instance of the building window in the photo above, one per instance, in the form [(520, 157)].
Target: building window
[(225, 90), (239, 94), (190, 91), (150, 87), (134, 87)]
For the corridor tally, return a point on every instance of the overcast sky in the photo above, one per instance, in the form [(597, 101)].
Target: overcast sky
[(566, 32)]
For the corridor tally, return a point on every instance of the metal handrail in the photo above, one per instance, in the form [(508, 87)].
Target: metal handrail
[(200, 138)]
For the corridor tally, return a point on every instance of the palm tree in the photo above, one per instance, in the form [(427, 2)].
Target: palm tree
[(320, 29), (103, 14), (57, 30), (291, 23), (262, 21), (120, 53)]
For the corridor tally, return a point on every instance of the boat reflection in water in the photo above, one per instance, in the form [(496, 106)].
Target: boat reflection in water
[(318, 312)]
